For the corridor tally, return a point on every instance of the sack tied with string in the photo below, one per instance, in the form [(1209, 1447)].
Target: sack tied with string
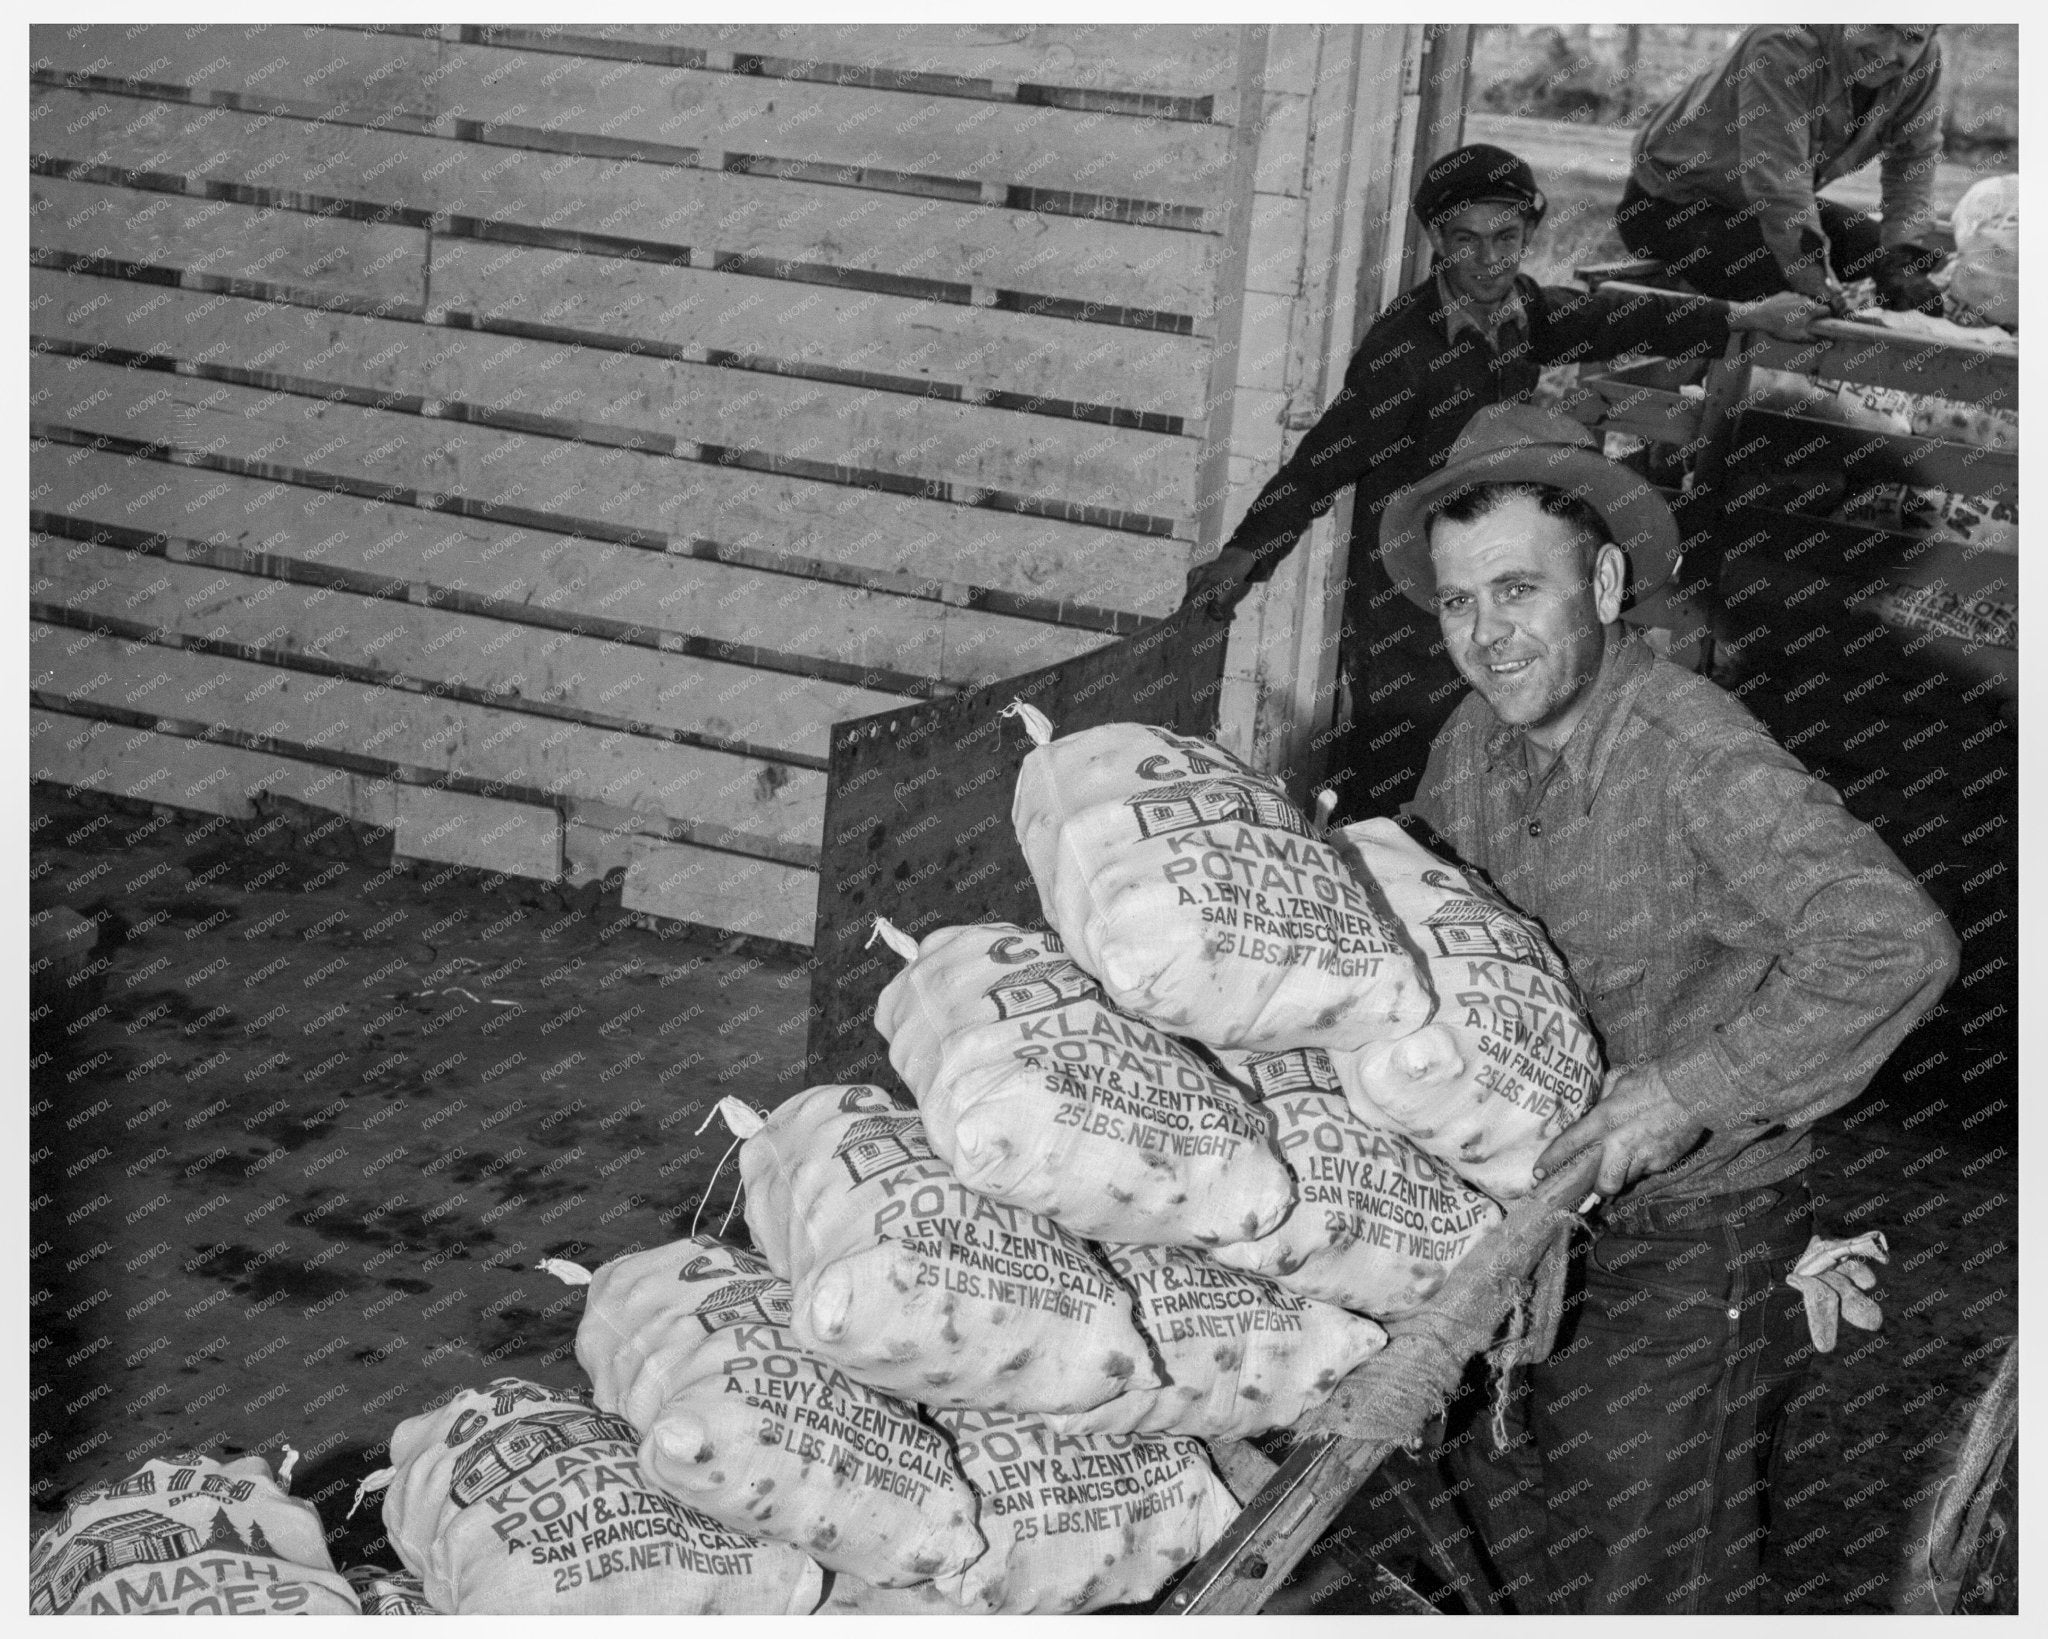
[(520, 1500), (1040, 1094), (191, 1536), (1379, 1224), (383, 1592), (691, 1344), (914, 1284), (1242, 1354), (1078, 1521), (1509, 1058), (1199, 896)]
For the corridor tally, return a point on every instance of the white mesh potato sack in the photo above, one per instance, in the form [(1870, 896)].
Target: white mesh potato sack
[(1038, 1093), (690, 1343), (1508, 1061), (1196, 892), (187, 1536), (519, 1500), (912, 1283), (1242, 1353), (1078, 1521), (1379, 1224)]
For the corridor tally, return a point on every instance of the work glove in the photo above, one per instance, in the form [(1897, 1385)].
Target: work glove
[(1220, 584), (1833, 1277), (1902, 282)]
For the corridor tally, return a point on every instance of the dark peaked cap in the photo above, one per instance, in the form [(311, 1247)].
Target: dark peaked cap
[(1472, 175)]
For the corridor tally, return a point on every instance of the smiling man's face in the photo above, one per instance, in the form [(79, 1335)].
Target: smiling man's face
[(1523, 620), (1480, 249)]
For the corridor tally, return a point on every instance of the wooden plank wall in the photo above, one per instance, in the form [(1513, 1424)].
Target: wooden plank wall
[(534, 439)]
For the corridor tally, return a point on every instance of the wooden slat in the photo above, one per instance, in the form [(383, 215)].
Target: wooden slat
[(641, 690), (1155, 59), (672, 879), (614, 396), (1107, 373), (1791, 441), (1646, 412), (1050, 149), (334, 71), (373, 262), (450, 826), (541, 581), (620, 487), (672, 608), (976, 349), (1152, 269), (1028, 357), (1870, 354), (1852, 550), (743, 798)]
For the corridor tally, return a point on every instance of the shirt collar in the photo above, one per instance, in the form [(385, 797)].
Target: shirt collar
[(1625, 662), (1459, 314)]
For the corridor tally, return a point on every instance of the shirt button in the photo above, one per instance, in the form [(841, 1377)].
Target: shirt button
[(1535, 828)]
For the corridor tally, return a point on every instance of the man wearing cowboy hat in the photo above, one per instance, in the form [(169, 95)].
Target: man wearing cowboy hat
[(1750, 954), (1477, 331)]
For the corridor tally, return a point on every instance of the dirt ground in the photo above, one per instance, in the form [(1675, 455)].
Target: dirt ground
[(296, 1160)]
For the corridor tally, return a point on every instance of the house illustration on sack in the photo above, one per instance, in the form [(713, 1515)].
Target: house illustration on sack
[(1468, 924), (510, 1450), (1297, 1070), (1189, 803), (107, 1546), (1040, 988), (881, 1143), (745, 1303)]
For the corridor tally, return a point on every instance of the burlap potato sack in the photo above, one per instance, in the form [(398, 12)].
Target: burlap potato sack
[(187, 1536), (1510, 1058), (691, 1344), (1040, 1094), (519, 1500), (914, 1284), (1200, 897)]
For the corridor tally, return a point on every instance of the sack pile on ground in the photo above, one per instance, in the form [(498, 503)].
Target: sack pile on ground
[(187, 1536), (974, 1363)]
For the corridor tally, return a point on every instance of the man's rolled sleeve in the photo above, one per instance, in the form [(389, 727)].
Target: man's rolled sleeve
[(1778, 86), (1348, 440), (1860, 950)]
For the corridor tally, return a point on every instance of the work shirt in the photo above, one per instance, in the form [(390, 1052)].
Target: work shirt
[(1776, 120), (1426, 368), (1724, 916)]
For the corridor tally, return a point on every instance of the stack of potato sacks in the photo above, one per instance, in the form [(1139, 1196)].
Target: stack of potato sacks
[(974, 1362)]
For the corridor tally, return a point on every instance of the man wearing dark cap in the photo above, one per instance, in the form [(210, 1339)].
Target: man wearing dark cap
[(1724, 175), (1475, 332), (1750, 954)]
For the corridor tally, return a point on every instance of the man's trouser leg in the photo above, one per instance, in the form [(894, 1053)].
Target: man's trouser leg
[(1656, 1418), (1723, 254)]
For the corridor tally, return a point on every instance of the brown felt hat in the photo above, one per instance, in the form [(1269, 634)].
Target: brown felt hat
[(1521, 444)]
